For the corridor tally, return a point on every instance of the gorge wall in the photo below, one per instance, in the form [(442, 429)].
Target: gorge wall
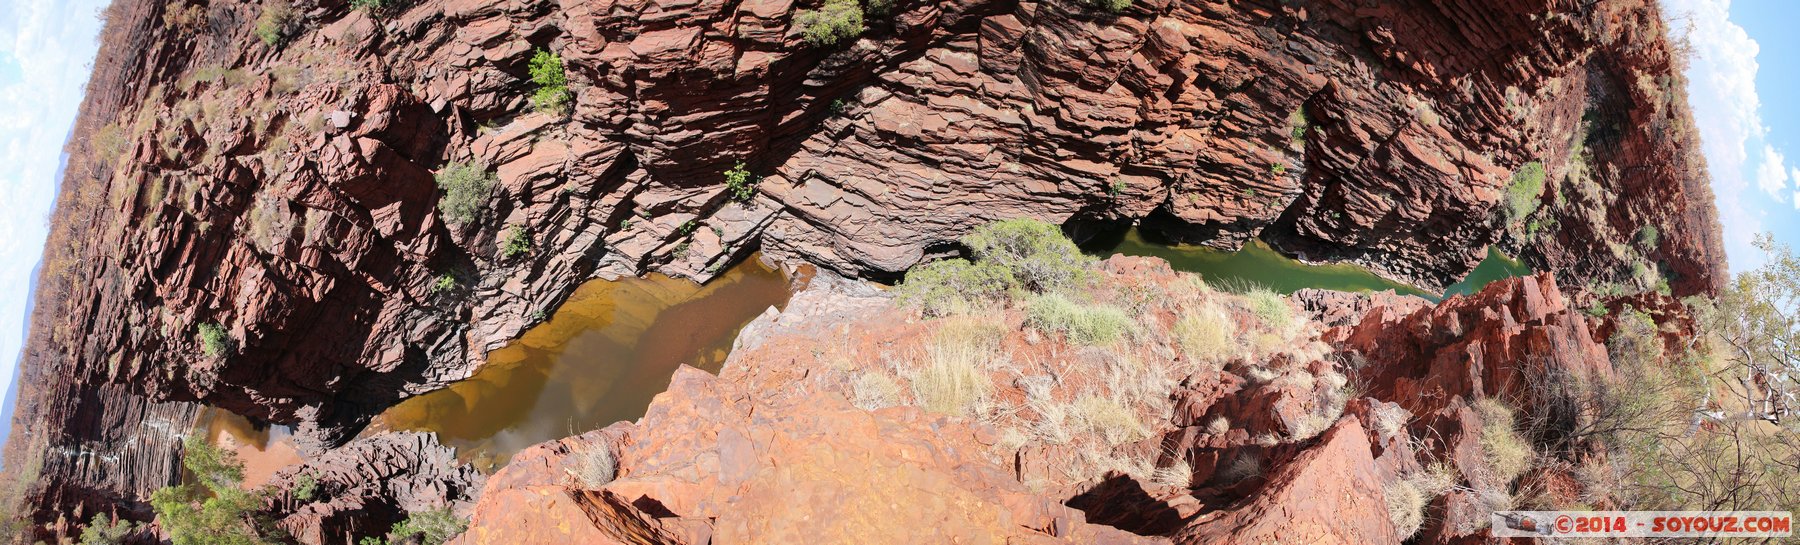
[(285, 193)]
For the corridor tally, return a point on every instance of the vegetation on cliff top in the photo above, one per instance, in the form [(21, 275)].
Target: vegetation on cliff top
[(836, 21), (1026, 275)]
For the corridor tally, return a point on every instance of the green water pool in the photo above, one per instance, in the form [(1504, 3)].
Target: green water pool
[(1259, 264)]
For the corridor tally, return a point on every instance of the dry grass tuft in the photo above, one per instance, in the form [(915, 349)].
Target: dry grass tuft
[(1247, 464), (874, 390), (1114, 422), (1205, 335), (1391, 419), (1092, 324), (1504, 450), (953, 378), (1408, 497), (596, 466)]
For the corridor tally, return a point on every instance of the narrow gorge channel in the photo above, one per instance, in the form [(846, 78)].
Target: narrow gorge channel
[(607, 352)]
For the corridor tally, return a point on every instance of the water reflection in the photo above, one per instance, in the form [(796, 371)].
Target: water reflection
[(263, 449), (600, 359)]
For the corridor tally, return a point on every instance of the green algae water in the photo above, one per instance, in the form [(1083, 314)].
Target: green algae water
[(1257, 263), (1495, 266), (600, 359)]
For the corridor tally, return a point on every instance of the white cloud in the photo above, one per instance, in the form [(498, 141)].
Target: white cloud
[(1772, 174), (1727, 111)]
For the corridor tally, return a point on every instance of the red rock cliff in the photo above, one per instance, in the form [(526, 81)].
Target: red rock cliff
[(286, 194)]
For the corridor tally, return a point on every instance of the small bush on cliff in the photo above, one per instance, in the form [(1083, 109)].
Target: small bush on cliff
[(740, 182), (1092, 324), (434, 527), (836, 21), (952, 286), (466, 187), (214, 340), (216, 510), (1011, 256), (1647, 237), (547, 72), (380, 8), (518, 243), (1297, 128), (1036, 253), (1111, 6), (444, 283), (179, 15), (1523, 192), (306, 487), (277, 22), (102, 530)]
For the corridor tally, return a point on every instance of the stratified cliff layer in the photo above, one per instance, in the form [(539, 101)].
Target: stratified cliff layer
[(284, 193)]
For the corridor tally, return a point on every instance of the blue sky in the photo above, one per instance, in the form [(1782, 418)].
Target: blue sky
[(1742, 94), (46, 51)]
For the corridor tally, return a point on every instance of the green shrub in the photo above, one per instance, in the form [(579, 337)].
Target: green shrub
[(276, 24), (466, 187), (216, 511), (1081, 324), (445, 282), (102, 530), (740, 182), (436, 526), (518, 243), (1647, 237), (836, 21), (214, 340), (553, 83), (1523, 192), (1036, 254), (1110, 6), (306, 487), (950, 286), (380, 8), (1297, 128)]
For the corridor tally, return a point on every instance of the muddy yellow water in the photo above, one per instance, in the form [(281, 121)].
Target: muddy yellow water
[(599, 359), (263, 449)]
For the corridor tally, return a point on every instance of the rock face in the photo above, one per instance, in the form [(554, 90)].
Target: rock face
[(804, 469), (284, 194), (369, 484)]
